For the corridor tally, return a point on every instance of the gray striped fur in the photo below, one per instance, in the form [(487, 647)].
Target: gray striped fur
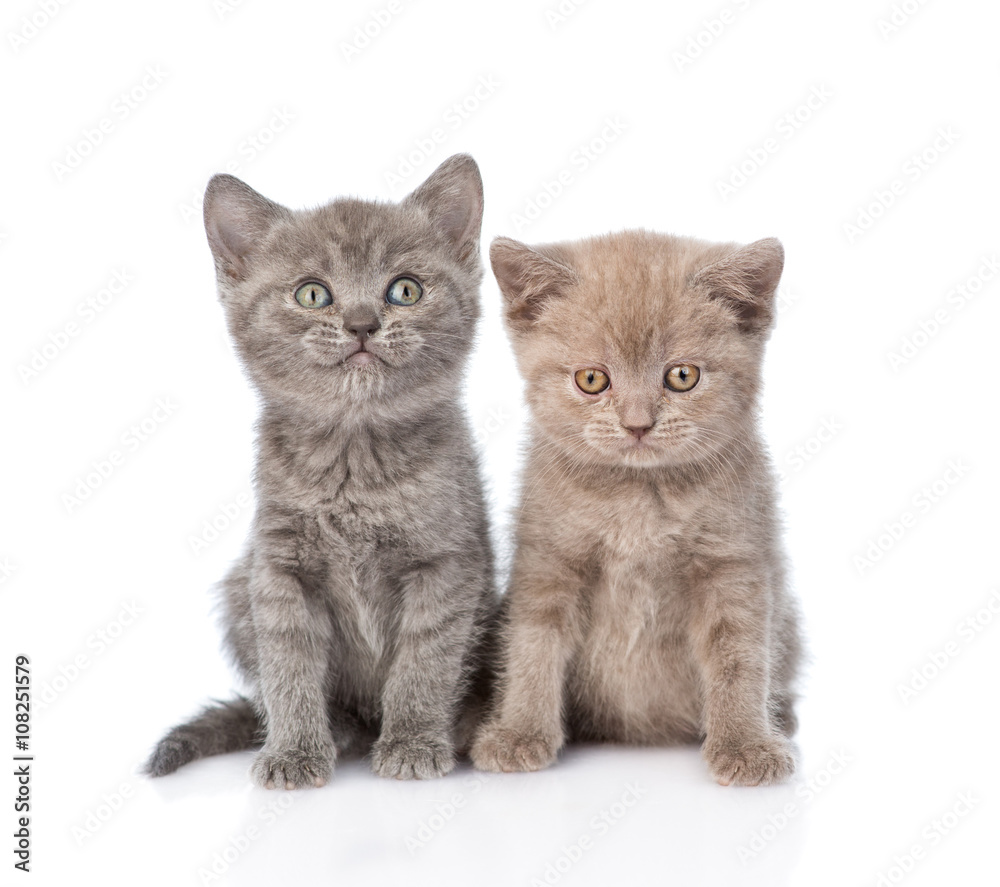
[(362, 600)]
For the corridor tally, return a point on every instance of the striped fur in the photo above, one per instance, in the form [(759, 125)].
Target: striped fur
[(363, 598)]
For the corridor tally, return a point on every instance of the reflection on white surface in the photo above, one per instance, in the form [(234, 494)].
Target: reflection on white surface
[(602, 815)]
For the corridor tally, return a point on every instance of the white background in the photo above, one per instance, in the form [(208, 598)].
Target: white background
[(665, 99)]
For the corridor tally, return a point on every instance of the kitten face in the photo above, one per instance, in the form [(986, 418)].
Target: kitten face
[(639, 349), (355, 304)]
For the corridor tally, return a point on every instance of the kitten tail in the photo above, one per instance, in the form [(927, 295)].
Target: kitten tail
[(218, 729)]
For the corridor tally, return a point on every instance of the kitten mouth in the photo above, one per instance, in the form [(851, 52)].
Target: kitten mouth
[(360, 357), (640, 450)]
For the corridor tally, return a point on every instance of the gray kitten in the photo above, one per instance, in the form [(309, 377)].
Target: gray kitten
[(648, 600), (360, 605)]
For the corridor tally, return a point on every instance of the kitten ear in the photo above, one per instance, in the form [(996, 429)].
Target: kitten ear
[(236, 218), (528, 278), (746, 281), (453, 197)]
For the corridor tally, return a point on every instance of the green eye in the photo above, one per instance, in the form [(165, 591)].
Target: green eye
[(682, 377), (404, 291), (313, 295)]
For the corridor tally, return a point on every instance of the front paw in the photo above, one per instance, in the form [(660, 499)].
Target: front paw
[(412, 757), (502, 750), (762, 761), (292, 768)]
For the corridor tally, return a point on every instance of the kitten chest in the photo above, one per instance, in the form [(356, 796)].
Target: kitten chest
[(635, 676)]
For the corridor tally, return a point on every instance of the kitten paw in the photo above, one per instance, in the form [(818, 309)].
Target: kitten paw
[(292, 768), (412, 757), (500, 750), (756, 762)]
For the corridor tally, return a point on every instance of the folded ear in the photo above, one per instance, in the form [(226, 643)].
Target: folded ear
[(236, 220), (746, 281), (453, 198), (528, 278)]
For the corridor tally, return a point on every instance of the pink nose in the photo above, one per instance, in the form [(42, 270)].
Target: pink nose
[(637, 431)]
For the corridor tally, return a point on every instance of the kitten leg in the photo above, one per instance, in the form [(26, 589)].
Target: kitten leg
[(785, 664), (292, 648), (427, 676), (731, 636), (783, 717), (526, 729), (483, 662)]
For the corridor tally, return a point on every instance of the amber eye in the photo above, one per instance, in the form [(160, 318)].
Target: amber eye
[(682, 377), (592, 381)]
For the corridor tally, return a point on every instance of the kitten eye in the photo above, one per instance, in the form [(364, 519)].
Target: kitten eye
[(313, 295), (592, 381), (682, 377), (404, 291)]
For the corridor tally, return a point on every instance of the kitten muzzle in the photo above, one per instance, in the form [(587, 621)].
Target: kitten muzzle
[(360, 357)]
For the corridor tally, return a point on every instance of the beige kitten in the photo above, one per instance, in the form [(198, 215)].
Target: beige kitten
[(647, 601)]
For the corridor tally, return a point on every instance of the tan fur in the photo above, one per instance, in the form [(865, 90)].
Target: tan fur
[(647, 601)]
